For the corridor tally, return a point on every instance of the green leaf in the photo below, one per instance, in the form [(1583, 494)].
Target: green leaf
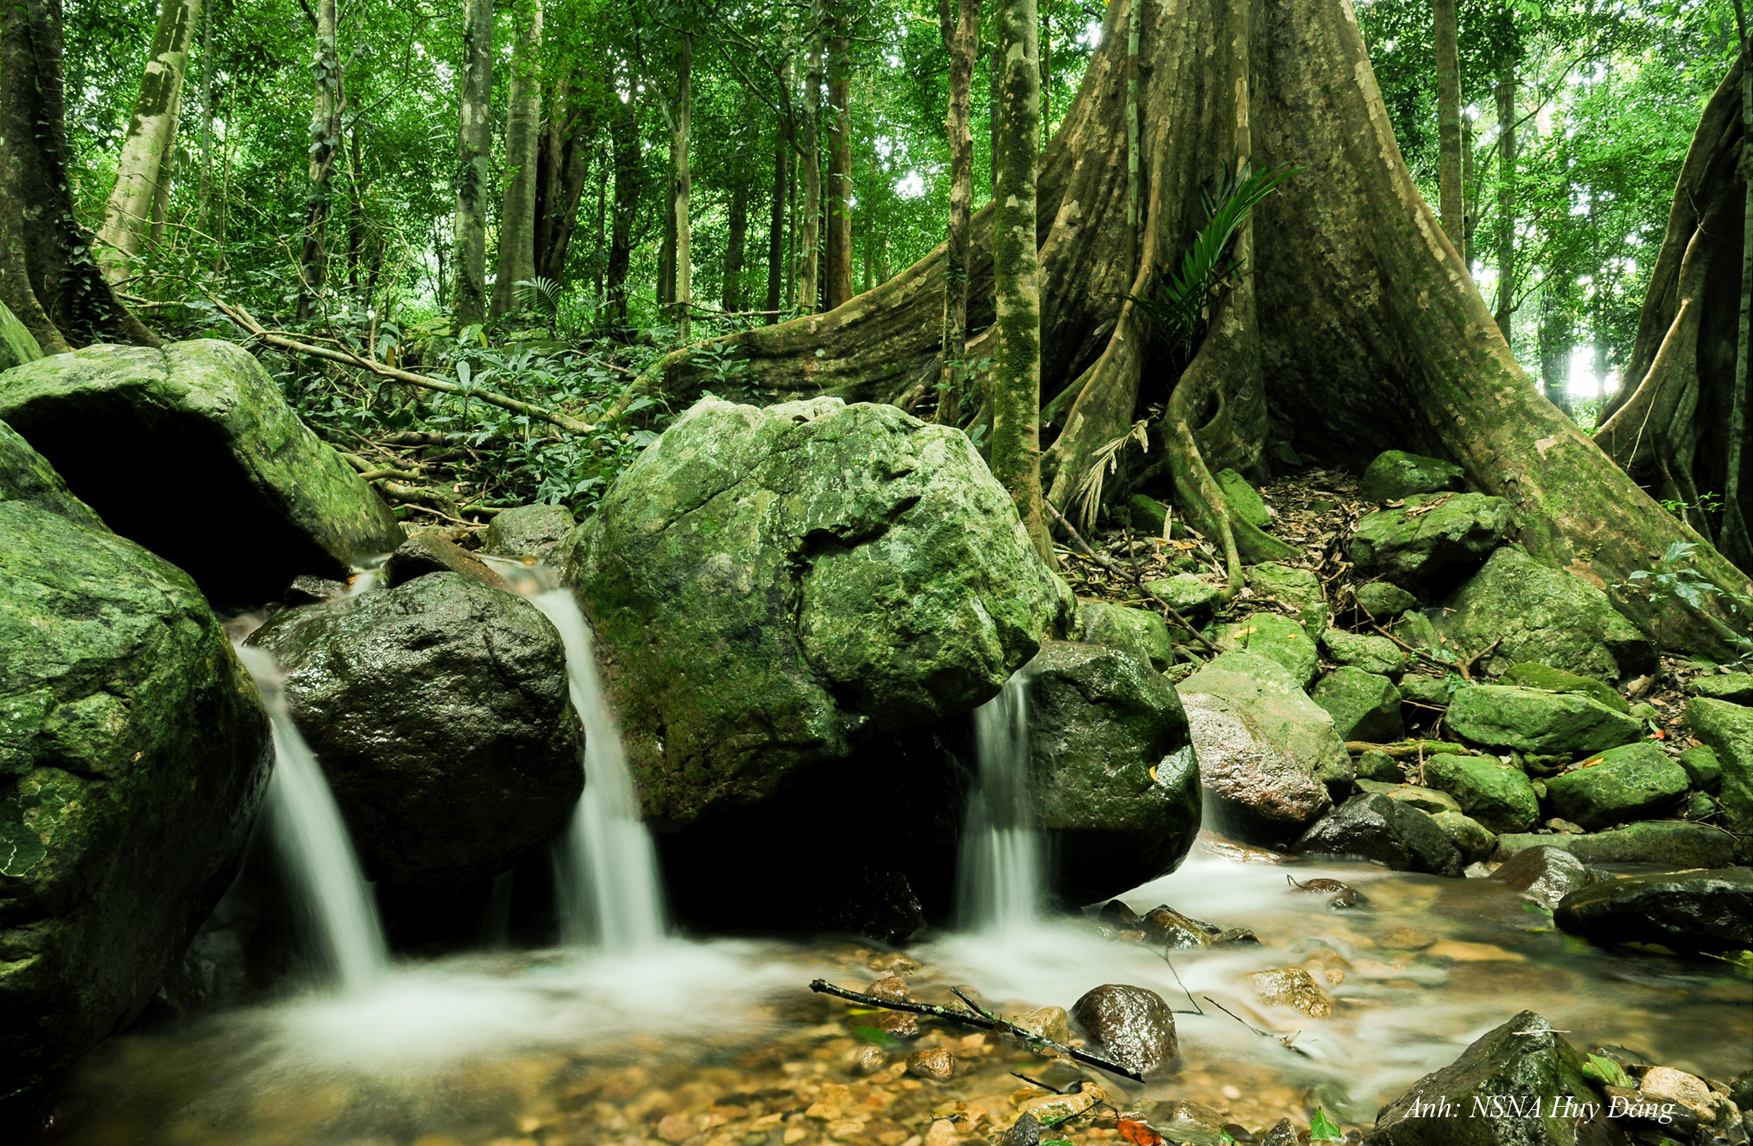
[(1324, 1129), (1604, 1070)]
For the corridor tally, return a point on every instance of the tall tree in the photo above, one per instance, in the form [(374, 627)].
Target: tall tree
[(1016, 364), (682, 126), (1506, 196), (563, 168), (810, 231), (523, 138), (1450, 207), (961, 40), (838, 249), (624, 140), (782, 148), (474, 174), (327, 106), (731, 296), (142, 168)]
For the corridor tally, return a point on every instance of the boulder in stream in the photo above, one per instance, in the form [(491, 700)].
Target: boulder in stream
[(439, 711), (192, 452), (771, 588), (1709, 910), (1385, 831), (133, 755), (1132, 1026)]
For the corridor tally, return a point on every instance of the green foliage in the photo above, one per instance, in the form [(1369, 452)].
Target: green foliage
[(1674, 576), (1605, 1071), (1323, 1129)]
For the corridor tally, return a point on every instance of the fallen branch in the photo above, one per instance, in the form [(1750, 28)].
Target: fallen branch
[(347, 358), (974, 1018), (1410, 748), (1102, 559)]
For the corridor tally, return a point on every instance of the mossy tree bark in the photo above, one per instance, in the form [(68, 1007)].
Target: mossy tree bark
[(523, 137), (48, 276), (1445, 36), (837, 278), (961, 39), (327, 105), (474, 173), (1351, 299), (810, 231)]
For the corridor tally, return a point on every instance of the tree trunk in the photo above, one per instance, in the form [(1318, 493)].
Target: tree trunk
[(731, 297), (684, 187), (1673, 422), (809, 237), (838, 286), (1448, 123), (624, 137), (776, 222), (961, 42), (166, 173), (151, 132), (562, 171), (1506, 198), (48, 277), (325, 140), (474, 174), (1555, 337), (204, 213), (523, 127)]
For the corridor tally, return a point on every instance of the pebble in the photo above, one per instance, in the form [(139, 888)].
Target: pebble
[(898, 1024), (867, 1060), (890, 987), (934, 1063), (1408, 939), (1292, 987)]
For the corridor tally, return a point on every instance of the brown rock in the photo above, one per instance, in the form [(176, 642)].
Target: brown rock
[(1132, 1026), (433, 552), (1292, 987), (867, 1060), (1047, 1022), (899, 1024), (1408, 939), (680, 1127), (890, 987), (1168, 927), (934, 1063)]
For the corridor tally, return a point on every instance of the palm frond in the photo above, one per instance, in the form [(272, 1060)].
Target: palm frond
[(1104, 461)]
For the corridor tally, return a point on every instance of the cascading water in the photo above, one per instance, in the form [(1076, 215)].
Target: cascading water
[(306, 829), (608, 889), (1001, 870)]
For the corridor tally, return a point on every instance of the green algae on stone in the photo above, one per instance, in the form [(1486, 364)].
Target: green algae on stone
[(1363, 651), (1136, 630), (1531, 674), (1364, 705), (1632, 782), (1274, 705), (1276, 638), (1727, 729), (1528, 720), (1496, 794), (1431, 534), (17, 345), (1289, 585), (1395, 474)]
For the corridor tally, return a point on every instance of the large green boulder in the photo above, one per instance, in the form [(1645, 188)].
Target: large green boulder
[(1243, 500), (17, 345), (1383, 600), (192, 452), (1116, 781), (1734, 687), (1363, 651), (1122, 627), (439, 711), (1632, 782), (1288, 585), (1518, 1085), (133, 754), (528, 531), (1670, 842), (1187, 593), (1431, 535), (773, 587), (26, 476), (1364, 705), (1727, 729), (1396, 474), (1532, 674), (1529, 720), (1274, 702), (1496, 794), (1709, 910), (1536, 613), (1275, 638)]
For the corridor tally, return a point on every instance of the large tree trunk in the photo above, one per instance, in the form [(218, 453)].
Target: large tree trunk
[(328, 103), (1672, 422), (731, 295), (151, 135), (684, 186), (1351, 300), (48, 277), (776, 221), (1506, 198), (810, 147), (474, 174), (523, 129)]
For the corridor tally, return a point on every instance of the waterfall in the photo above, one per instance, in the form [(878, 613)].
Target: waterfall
[(1000, 876), (305, 827), (607, 885)]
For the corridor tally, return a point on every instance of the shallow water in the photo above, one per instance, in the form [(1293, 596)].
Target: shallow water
[(722, 1044)]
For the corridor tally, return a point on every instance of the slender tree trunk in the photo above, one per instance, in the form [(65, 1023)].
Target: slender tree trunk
[(355, 212), (325, 140), (1046, 76), (684, 188), (838, 287), (474, 175), (961, 42), (523, 128), (1448, 123), (166, 173), (624, 136), (809, 235), (204, 212), (666, 250), (731, 297), (151, 135), (562, 172), (776, 222), (1016, 372), (1555, 337), (1506, 198)]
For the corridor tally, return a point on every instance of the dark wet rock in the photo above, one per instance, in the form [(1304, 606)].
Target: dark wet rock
[(1131, 1026), (1537, 613), (527, 531), (1116, 778), (1281, 1134), (133, 756), (934, 1063), (26, 476), (1296, 588), (1256, 791), (1396, 474), (1383, 600), (1385, 831), (1669, 842), (1531, 720), (867, 1060), (1545, 874), (433, 552), (1277, 639), (1363, 705), (1165, 927), (1496, 794), (439, 711), (1630, 783), (1432, 536), (1120, 915), (1429, 800), (1733, 687), (1363, 651), (1136, 630), (1727, 729), (199, 426), (1531, 674), (1702, 768), (1524, 1061), (772, 588), (308, 590), (1292, 987), (1473, 839), (1235, 937), (1685, 911)]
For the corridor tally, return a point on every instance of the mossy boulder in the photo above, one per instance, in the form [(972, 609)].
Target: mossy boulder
[(1473, 839), (1274, 703), (1734, 687), (1363, 651), (17, 345), (1430, 536), (26, 476), (1531, 674), (1243, 500), (1530, 720), (1396, 474), (1276, 638), (440, 713), (1116, 780), (1140, 632), (773, 587), (1288, 585), (1496, 794), (1148, 514), (528, 531), (1703, 767), (1669, 842), (1364, 705), (1536, 613), (1187, 593), (1257, 792), (192, 452), (1384, 600), (1727, 729), (133, 755), (1631, 782), (1428, 800)]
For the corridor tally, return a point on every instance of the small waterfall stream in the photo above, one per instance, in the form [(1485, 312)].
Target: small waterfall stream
[(307, 831), (1002, 855), (609, 892)]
